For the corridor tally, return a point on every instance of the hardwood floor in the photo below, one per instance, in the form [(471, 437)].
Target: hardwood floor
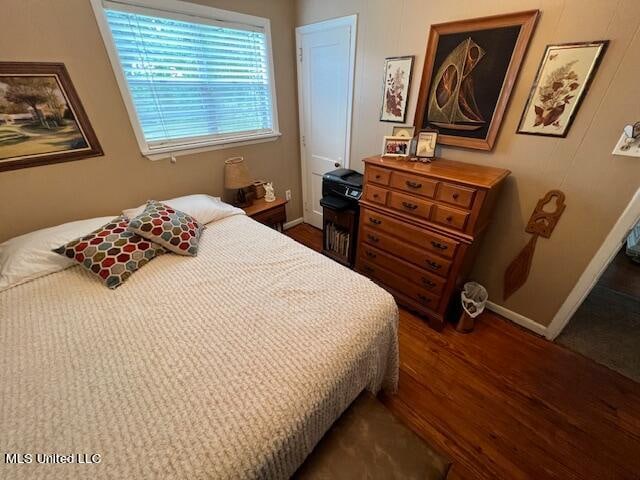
[(503, 403)]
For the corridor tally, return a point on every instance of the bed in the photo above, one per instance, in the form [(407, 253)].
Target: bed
[(231, 364)]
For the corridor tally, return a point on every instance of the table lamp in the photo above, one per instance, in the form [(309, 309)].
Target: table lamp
[(236, 177)]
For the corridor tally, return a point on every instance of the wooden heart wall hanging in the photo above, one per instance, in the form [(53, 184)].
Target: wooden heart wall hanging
[(541, 224)]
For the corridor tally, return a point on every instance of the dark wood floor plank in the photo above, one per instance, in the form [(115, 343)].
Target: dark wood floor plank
[(506, 404), (538, 427), (307, 235)]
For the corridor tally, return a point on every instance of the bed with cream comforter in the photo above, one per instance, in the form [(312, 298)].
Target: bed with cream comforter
[(232, 364)]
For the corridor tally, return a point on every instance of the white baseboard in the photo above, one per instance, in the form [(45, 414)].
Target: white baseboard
[(521, 320), (293, 223)]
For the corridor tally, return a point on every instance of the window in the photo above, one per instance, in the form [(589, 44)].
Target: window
[(193, 77)]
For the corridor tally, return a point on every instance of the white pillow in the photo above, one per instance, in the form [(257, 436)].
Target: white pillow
[(204, 208), (29, 256)]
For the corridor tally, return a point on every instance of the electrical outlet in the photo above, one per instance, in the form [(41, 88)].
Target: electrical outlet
[(628, 147), (287, 194)]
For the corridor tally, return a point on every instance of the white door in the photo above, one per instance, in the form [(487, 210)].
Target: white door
[(326, 57)]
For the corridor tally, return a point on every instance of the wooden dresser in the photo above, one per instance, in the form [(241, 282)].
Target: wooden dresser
[(420, 226)]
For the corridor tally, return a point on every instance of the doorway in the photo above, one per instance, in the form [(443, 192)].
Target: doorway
[(601, 316), (326, 67), (606, 327)]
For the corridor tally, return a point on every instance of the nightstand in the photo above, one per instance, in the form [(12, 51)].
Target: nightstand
[(271, 214)]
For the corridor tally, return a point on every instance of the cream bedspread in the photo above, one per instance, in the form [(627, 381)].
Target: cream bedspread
[(232, 364)]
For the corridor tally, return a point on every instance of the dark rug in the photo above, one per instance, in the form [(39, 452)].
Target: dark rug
[(606, 328)]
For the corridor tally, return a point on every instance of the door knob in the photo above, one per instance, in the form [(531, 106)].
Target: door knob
[(336, 164)]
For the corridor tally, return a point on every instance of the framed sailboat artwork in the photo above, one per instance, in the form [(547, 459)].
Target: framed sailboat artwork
[(469, 71)]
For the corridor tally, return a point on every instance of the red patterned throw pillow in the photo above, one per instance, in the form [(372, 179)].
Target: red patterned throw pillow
[(112, 252), (173, 229)]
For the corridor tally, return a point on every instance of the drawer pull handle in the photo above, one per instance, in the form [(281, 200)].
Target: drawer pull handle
[(424, 298), (373, 238), (439, 245), (434, 265), (411, 184), (449, 219), (375, 195), (375, 221), (410, 206), (428, 282), (378, 177), (368, 269), (370, 254), (455, 196)]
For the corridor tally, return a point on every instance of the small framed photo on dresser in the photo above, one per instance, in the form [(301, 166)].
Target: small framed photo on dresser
[(426, 144), (404, 131), (396, 146)]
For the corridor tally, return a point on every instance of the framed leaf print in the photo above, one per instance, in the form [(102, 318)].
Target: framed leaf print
[(397, 81), (469, 71), (563, 78), (41, 118)]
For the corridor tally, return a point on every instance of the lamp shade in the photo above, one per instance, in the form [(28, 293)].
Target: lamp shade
[(236, 173)]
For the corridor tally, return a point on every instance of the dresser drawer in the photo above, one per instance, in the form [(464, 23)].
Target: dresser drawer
[(455, 195), (400, 284), (431, 283), (448, 216), (409, 204), (377, 175), (414, 184), (408, 233), (375, 194), (406, 251)]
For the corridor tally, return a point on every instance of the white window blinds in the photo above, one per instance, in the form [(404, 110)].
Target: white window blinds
[(190, 79)]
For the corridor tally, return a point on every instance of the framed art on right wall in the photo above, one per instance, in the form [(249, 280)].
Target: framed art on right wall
[(563, 79)]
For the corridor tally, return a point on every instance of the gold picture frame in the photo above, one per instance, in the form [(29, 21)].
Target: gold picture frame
[(469, 72)]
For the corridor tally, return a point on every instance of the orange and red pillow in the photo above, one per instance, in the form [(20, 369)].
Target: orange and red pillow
[(173, 229), (112, 252)]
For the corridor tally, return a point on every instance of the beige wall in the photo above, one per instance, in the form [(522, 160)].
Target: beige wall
[(66, 31), (598, 185)]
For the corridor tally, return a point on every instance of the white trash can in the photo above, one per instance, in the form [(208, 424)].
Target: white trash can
[(474, 298)]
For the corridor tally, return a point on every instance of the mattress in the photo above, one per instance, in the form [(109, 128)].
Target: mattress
[(231, 364)]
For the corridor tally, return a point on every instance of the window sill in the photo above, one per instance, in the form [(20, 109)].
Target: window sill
[(180, 150)]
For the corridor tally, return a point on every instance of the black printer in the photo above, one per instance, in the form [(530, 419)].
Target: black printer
[(341, 191), (341, 188)]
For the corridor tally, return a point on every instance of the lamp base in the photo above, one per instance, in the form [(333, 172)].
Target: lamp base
[(242, 200)]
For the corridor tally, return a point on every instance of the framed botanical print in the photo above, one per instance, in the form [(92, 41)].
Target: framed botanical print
[(397, 81), (469, 71), (563, 78), (41, 118)]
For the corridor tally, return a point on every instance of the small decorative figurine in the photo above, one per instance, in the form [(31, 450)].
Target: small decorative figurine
[(269, 195)]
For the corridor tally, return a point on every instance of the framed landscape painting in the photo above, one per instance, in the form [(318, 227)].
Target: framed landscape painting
[(562, 81), (41, 118), (469, 72), (397, 81)]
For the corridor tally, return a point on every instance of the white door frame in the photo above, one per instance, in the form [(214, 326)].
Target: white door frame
[(352, 21), (596, 267)]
